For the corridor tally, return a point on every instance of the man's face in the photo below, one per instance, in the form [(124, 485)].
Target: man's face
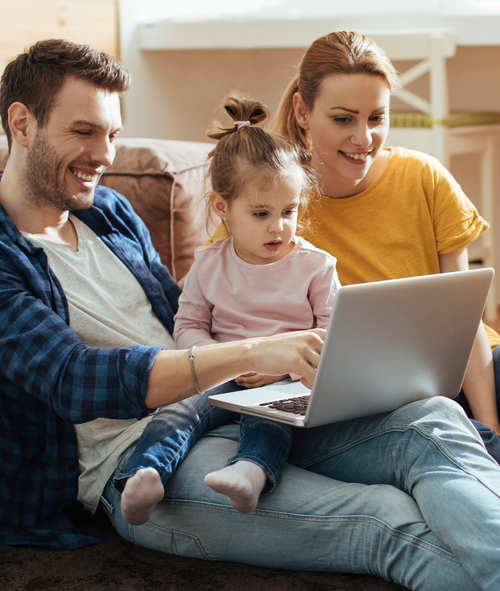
[(68, 155)]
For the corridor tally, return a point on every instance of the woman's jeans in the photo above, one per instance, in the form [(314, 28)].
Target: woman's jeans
[(490, 439), (430, 519), (174, 429)]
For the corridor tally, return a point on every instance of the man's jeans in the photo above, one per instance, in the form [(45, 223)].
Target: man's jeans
[(174, 430), (433, 505)]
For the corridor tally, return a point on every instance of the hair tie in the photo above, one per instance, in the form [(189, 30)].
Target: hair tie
[(241, 124)]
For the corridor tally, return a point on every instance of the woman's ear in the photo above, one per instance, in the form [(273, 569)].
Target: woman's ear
[(301, 111), (219, 205)]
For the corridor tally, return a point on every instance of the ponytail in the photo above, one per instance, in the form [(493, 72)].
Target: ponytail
[(247, 153), (285, 122), (337, 53)]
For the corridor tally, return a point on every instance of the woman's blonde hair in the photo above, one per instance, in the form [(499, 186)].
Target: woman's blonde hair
[(247, 153), (336, 53)]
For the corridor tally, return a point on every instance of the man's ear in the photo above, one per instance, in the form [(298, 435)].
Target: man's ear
[(219, 205), (301, 111), (21, 123)]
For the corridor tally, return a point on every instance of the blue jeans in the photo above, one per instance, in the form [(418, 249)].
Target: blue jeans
[(174, 429), (410, 496), (490, 439)]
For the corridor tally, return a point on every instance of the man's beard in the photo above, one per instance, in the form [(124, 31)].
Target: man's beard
[(44, 179)]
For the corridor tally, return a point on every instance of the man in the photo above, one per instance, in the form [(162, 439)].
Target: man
[(86, 312)]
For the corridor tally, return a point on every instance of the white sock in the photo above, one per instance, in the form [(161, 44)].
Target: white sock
[(141, 493), (241, 482)]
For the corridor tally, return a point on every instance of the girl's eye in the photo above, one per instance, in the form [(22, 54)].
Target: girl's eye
[(288, 212), (377, 118), (260, 214)]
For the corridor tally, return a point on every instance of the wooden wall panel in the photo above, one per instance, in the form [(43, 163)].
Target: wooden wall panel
[(23, 22)]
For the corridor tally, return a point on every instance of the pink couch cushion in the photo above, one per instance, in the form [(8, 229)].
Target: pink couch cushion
[(164, 182)]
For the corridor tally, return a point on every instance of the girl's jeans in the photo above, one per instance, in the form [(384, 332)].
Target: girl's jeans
[(174, 429)]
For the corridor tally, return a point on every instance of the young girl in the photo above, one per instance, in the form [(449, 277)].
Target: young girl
[(261, 281)]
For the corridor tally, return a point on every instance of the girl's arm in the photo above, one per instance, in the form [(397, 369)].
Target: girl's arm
[(479, 381), (193, 320), (257, 380), (321, 294)]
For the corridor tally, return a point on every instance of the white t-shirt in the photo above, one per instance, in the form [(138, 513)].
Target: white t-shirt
[(107, 309)]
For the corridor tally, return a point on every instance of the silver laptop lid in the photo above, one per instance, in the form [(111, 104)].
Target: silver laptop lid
[(392, 342)]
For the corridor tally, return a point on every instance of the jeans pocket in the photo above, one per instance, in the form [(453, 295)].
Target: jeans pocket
[(166, 540), (187, 545), (108, 508)]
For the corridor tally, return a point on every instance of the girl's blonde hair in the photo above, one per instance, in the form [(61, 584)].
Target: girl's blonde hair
[(250, 154), (336, 53)]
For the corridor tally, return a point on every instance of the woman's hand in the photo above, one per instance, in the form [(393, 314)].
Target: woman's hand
[(256, 380)]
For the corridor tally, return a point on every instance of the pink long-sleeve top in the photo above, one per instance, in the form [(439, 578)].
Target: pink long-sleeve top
[(227, 299)]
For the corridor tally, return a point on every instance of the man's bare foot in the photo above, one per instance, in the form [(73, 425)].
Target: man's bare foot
[(141, 493), (241, 482)]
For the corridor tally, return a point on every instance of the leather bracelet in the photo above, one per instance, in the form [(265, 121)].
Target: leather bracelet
[(191, 359)]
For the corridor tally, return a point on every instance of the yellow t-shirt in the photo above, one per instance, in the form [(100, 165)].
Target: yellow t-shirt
[(398, 226)]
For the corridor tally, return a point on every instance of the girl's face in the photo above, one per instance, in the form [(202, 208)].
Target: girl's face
[(263, 220), (348, 124)]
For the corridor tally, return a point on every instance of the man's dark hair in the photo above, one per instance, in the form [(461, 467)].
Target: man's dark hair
[(35, 77)]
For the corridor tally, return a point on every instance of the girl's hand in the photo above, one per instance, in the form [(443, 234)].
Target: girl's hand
[(255, 380)]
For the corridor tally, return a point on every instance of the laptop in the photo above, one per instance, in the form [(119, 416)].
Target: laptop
[(388, 343)]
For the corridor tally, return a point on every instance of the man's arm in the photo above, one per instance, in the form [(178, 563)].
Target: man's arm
[(41, 354), (479, 381), (297, 352)]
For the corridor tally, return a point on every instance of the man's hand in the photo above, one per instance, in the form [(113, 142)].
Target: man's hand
[(293, 352), (256, 380)]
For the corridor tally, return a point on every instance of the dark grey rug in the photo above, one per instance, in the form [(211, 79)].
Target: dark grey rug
[(119, 565)]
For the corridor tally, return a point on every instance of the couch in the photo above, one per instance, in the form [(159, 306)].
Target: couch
[(164, 181)]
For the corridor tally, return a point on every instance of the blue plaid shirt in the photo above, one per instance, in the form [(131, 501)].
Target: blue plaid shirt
[(50, 380)]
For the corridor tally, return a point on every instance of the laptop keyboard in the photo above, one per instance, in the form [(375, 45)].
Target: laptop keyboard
[(297, 405)]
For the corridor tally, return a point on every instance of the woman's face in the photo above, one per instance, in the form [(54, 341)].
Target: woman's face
[(348, 124)]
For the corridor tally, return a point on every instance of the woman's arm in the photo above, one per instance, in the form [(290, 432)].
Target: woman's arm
[(170, 379), (479, 381)]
